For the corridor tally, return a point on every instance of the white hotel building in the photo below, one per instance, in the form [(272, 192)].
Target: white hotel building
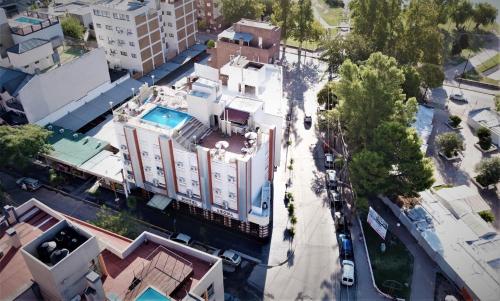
[(141, 35), (213, 148)]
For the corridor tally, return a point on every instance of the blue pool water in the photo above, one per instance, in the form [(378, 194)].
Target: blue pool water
[(28, 20), (150, 294), (166, 117)]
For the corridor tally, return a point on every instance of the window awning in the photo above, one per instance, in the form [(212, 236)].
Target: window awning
[(159, 201)]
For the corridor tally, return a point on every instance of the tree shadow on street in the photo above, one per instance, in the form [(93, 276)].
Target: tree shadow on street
[(299, 77), (318, 183)]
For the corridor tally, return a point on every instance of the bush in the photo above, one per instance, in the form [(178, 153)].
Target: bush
[(291, 209), (293, 220), (72, 28), (450, 144), (291, 232), (131, 202), (455, 120), (210, 44), (488, 171), (484, 136), (487, 215), (54, 178)]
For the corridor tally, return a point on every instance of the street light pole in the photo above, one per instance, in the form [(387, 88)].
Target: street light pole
[(153, 78)]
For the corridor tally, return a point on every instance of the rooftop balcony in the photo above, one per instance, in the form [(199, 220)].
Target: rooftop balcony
[(29, 22)]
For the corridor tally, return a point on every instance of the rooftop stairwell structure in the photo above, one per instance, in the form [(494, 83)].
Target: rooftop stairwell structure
[(191, 133)]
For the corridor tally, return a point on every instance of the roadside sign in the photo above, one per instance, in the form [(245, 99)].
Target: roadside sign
[(377, 222)]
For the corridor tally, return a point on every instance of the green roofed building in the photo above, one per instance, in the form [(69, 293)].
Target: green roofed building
[(71, 150)]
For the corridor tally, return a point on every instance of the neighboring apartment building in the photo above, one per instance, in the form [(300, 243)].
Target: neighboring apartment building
[(178, 22), (258, 41), (214, 151), (209, 12), (55, 91), (51, 256), (32, 25), (141, 35)]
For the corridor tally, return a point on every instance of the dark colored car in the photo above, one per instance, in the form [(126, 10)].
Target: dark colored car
[(346, 250)]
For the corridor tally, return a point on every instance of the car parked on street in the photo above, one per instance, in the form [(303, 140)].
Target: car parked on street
[(28, 184), (182, 239), (331, 179), (307, 119), (329, 160), (347, 273), (231, 257), (458, 97), (346, 250)]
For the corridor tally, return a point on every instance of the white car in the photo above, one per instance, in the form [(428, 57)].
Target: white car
[(231, 257), (331, 179), (329, 160), (308, 119), (347, 273), (182, 239), (458, 97)]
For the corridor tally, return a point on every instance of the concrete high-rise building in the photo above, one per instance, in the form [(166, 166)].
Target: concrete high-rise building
[(141, 35), (213, 150), (209, 13)]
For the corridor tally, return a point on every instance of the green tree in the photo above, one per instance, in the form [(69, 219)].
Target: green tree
[(450, 144), (445, 8), (432, 76), (488, 171), (72, 28), (411, 85), (283, 17), (328, 120), (210, 44), (369, 95), (399, 146), (337, 50), (484, 14), (116, 222), (19, 145), (317, 32), (462, 12), (369, 173), (484, 135), (334, 54), (379, 22), (326, 96), (233, 11), (304, 22)]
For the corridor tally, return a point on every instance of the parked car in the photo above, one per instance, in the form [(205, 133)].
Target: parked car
[(458, 97), (347, 273), (331, 179), (182, 239), (346, 250), (335, 201), (231, 257), (29, 184), (307, 119), (329, 160)]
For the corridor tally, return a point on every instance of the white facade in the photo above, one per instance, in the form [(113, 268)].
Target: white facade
[(34, 60), (185, 162), (48, 92)]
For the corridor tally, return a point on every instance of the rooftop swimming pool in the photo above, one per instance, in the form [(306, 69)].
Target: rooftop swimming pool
[(28, 20), (150, 294), (166, 117)]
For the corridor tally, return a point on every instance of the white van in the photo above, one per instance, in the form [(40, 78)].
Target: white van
[(331, 179), (347, 273)]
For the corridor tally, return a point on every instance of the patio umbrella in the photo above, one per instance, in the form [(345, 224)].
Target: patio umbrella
[(222, 144), (251, 135)]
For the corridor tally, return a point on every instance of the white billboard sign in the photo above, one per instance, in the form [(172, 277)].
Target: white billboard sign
[(377, 222)]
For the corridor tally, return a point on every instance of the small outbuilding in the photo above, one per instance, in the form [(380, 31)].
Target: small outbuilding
[(488, 118)]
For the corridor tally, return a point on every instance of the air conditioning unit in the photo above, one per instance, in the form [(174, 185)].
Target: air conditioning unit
[(130, 177), (156, 182)]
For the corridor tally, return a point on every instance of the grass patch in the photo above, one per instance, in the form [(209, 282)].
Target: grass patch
[(311, 46), (473, 75), (392, 269), (439, 187), (332, 15), (489, 63)]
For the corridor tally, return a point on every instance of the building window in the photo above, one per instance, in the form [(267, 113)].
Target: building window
[(158, 168), (129, 32), (217, 191), (210, 291), (217, 176), (131, 44), (194, 168), (182, 180), (169, 13), (171, 35), (232, 195), (119, 29), (121, 42), (231, 179), (127, 17), (194, 183), (169, 24), (109, 27), (97, 12), (124, 53), (147, 169), (133, 55), (145, 154), (157, 157), (179, 164), (98, 25), (115, 15)]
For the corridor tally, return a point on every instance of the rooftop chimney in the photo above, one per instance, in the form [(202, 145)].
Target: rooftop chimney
[(15, 242), (94, 291)]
